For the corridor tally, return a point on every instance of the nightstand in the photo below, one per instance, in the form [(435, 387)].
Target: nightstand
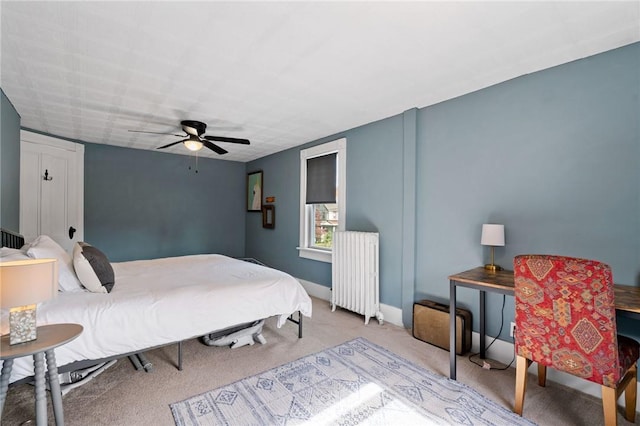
[(49, 337)]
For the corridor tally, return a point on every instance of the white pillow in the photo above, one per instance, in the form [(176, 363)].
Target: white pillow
[(93, 268), (10, 254), (44, 247)]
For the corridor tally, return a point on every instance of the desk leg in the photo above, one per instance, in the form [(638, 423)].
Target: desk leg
[(452, 330), (483, 333), (54, 386), (4, 382), (41, 400)]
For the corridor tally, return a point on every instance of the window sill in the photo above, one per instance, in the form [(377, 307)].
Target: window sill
[(315, 254)]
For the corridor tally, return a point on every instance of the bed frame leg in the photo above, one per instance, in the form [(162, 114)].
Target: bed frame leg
[(180, 355), (298, 321)]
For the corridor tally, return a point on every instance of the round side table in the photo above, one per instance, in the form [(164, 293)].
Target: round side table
[(49, 337)]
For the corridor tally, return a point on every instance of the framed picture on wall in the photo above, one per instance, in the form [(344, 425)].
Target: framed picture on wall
[(254, 191), (269, 216)]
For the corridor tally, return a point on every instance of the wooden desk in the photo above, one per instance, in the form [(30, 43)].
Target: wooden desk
[(49, 337), (627, 301)]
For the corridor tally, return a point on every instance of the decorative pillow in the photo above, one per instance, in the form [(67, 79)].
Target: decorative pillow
[(10, 254), (93, 268), (43, 247)]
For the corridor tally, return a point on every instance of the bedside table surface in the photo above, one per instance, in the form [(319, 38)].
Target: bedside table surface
[(49, 337)]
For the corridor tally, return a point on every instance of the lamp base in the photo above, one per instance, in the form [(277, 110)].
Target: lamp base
[(492, 268), (22, 324)]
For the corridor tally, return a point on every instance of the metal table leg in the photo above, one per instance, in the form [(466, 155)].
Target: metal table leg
[(483, 333), (452, 330)]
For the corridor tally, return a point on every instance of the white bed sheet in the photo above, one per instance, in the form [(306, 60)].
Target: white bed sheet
[(160, 301)]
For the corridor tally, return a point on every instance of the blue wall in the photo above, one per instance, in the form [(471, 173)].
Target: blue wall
[(374, 192), (9, 165), (554, 155), (143, 204)]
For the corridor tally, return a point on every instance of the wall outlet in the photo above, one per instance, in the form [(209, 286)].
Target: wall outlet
[(512, 331)]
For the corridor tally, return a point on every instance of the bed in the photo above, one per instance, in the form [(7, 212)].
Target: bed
[(164, 301)]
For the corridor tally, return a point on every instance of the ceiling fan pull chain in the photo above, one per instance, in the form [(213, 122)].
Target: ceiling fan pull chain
[(196, 167)]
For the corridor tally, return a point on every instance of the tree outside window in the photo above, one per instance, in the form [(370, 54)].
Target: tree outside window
[(326, 221)]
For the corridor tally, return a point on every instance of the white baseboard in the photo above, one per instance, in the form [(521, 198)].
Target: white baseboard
[(316, 290), (390, 313), (500, 350)]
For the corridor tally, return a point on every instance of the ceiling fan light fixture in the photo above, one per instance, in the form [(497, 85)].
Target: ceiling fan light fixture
[(193, 145)]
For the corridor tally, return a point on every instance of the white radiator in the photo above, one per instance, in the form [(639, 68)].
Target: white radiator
[(354, 273)]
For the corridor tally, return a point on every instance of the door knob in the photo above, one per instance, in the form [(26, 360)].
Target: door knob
[(72, 231)]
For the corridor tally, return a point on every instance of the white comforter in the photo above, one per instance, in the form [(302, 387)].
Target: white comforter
[(160, 301)]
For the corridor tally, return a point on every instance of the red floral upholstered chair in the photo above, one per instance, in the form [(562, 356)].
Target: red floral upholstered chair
[(566, 320)]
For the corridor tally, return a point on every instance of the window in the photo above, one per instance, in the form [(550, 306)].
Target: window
[(322, 198)]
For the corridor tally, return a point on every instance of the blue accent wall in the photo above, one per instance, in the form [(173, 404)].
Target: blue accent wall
[(9, 165), (144, 204), (374, 203), (553, 155)]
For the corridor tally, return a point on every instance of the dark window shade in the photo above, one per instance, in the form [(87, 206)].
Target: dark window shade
[(321, 179)]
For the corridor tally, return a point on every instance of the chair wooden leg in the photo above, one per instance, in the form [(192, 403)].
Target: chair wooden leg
[(542, 375), (522, 364), (630, 395), (609, 406)]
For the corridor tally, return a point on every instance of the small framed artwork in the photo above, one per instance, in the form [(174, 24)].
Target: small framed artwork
[(269, 216), (254, 191)]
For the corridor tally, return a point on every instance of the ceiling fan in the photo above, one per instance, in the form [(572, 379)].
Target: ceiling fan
[(195, 141)]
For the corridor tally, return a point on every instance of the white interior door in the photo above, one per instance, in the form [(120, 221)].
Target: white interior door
[(51, 189)]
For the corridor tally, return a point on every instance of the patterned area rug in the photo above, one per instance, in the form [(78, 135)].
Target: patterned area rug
[(356, 382)]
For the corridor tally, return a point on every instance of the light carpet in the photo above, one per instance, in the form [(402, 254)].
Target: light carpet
[(357, 382)]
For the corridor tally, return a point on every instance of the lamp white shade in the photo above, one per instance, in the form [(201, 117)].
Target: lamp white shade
[(27, 282), (492, 235)]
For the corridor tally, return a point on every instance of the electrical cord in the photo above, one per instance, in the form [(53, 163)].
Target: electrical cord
[(492, 342)]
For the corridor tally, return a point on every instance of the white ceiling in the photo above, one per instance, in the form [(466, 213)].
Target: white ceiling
[(280, 74)]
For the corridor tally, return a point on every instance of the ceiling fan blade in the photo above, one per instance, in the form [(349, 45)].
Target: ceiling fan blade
[(214, 147), (156, 133), (171, 144), (225, 139)]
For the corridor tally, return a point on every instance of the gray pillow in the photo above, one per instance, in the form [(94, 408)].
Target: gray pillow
[(93, 268)]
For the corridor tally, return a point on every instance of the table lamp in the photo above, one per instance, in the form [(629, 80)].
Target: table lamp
[(23, 284), (492, 235)]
